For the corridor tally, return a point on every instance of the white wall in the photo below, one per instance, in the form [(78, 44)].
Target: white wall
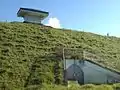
[(32, 19)]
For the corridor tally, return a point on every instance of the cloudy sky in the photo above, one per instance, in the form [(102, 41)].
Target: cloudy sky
[(97, 16), (54, 22)]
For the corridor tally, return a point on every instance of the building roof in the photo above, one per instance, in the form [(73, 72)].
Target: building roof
[(103, 66), (91, 58), (24, 11)]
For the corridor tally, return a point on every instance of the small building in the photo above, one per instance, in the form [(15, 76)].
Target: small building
[(89, 72), (32, 15), (83, 67)]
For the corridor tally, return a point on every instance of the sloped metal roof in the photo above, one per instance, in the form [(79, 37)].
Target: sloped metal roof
[(103, 66)]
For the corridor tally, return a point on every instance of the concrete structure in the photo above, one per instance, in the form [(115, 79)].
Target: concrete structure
[(87, 72), (32, 15)]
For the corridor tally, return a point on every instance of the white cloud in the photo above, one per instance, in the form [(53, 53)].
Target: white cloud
[(54, 22)]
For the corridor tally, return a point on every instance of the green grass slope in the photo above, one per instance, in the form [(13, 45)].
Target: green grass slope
[(27, 52)]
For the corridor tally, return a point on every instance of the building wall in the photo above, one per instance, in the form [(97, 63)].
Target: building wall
[(32, 19), (96, 74), (75, 73), (92, 73)]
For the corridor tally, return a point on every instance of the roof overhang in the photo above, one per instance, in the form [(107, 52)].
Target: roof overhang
[(32, 12)]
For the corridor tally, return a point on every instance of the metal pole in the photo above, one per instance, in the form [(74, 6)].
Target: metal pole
[(64, 63), (64, 60)]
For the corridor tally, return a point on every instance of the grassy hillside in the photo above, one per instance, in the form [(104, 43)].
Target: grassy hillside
[(27, 52)]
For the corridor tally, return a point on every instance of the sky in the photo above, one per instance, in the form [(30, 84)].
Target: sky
[(96, 16)]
